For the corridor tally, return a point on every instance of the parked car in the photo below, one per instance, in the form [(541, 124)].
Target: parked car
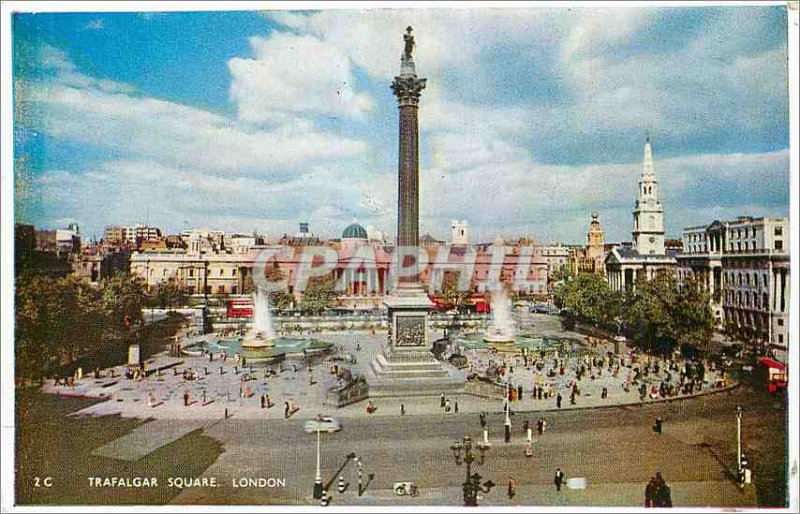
[(323, 424)]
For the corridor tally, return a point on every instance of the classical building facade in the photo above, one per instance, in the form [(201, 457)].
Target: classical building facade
[(648, 256), (745, 265)]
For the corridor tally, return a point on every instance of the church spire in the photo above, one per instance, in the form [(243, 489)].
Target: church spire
[(647, 170)]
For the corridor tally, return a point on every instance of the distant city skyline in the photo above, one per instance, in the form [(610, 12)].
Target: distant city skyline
[(532, 119)]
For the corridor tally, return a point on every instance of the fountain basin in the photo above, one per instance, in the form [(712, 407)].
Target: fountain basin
[(529, 342), (280, 348)]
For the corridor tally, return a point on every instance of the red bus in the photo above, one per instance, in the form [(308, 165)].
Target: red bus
[(239, 309), (774, 374)]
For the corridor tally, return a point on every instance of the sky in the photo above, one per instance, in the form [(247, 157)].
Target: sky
[(531, 119)]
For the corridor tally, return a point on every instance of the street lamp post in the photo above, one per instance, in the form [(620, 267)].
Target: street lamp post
[(471, 485), (318, 477), (508, 415), (739, 438)]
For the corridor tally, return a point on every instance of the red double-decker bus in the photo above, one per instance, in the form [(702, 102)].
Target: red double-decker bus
[(239, 309), (773, 373)]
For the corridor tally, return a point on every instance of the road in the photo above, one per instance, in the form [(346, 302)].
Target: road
[(611, 446)]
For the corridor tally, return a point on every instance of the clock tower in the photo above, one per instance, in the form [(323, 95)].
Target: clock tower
[(648, 214)]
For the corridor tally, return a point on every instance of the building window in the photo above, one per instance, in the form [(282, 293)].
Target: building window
[(220, 289), (234, 271), (779, 245), (191, 272), (780, 338), (780, 322), (778, 231)]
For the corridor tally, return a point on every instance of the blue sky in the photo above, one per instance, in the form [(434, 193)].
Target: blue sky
[(532, 119)]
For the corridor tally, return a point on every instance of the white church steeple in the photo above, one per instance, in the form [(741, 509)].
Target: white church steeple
[(648, 215)]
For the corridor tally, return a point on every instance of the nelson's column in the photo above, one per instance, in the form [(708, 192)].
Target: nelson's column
[(408, 367)]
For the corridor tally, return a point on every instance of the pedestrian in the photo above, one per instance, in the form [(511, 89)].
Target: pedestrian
[(186, 398), (540, 426), (204, 396), (663, 494), (402, 409), (455, 407), (482, 417), (535, 389), (558, 480), (269, 402), (286, 410), (657, 425), (442, 401), (604, 393), (512, 488), (525, 426), (263, 401), (650, 492), (519, 392), (558, 400), (447, 405)]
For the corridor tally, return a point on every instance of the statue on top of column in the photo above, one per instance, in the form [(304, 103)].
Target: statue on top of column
[(409, 39)]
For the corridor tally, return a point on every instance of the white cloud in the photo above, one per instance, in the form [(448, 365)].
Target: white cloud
[(102, 113), (294, 75)]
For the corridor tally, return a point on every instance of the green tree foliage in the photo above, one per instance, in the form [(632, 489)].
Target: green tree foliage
[(590, 299), (450, 293), (319, 296), (661, 315), (68, 317), (168, 295), (281, 300), (123, 296)]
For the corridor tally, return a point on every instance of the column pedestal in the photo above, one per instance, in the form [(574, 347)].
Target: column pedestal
[(407, 367)]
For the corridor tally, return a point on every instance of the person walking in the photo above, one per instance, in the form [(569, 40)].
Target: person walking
[(663, 494), (512, 488), (447, 405), (650, 492), (263, 401), (286, 410), (558, 480), (558, 400), (519, 392), (186, 398), (442, 401)]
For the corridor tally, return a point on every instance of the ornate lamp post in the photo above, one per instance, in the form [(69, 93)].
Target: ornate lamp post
[(471, 483)]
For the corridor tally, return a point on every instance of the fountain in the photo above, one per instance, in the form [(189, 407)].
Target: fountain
[(502, 328), (261, 344), (263, 334), (502, 334)]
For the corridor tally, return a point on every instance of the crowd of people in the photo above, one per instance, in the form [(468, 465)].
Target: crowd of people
[(548, 375)]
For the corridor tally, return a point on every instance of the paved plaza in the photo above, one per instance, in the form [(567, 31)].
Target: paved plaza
[(227, 387)]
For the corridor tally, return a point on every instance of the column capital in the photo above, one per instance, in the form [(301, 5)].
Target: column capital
[(408, 89)]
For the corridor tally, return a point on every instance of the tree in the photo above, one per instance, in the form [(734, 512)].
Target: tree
[(452, 295), (169, 294), (661, 315), (319, 296), (281, 300), (123, 297), (591, 300), (54, 318)]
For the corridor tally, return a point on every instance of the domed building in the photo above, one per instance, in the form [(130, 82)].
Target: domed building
[(354, 231), (363, 269)]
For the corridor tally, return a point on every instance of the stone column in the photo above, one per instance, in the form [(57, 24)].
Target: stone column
[(408, 88)]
